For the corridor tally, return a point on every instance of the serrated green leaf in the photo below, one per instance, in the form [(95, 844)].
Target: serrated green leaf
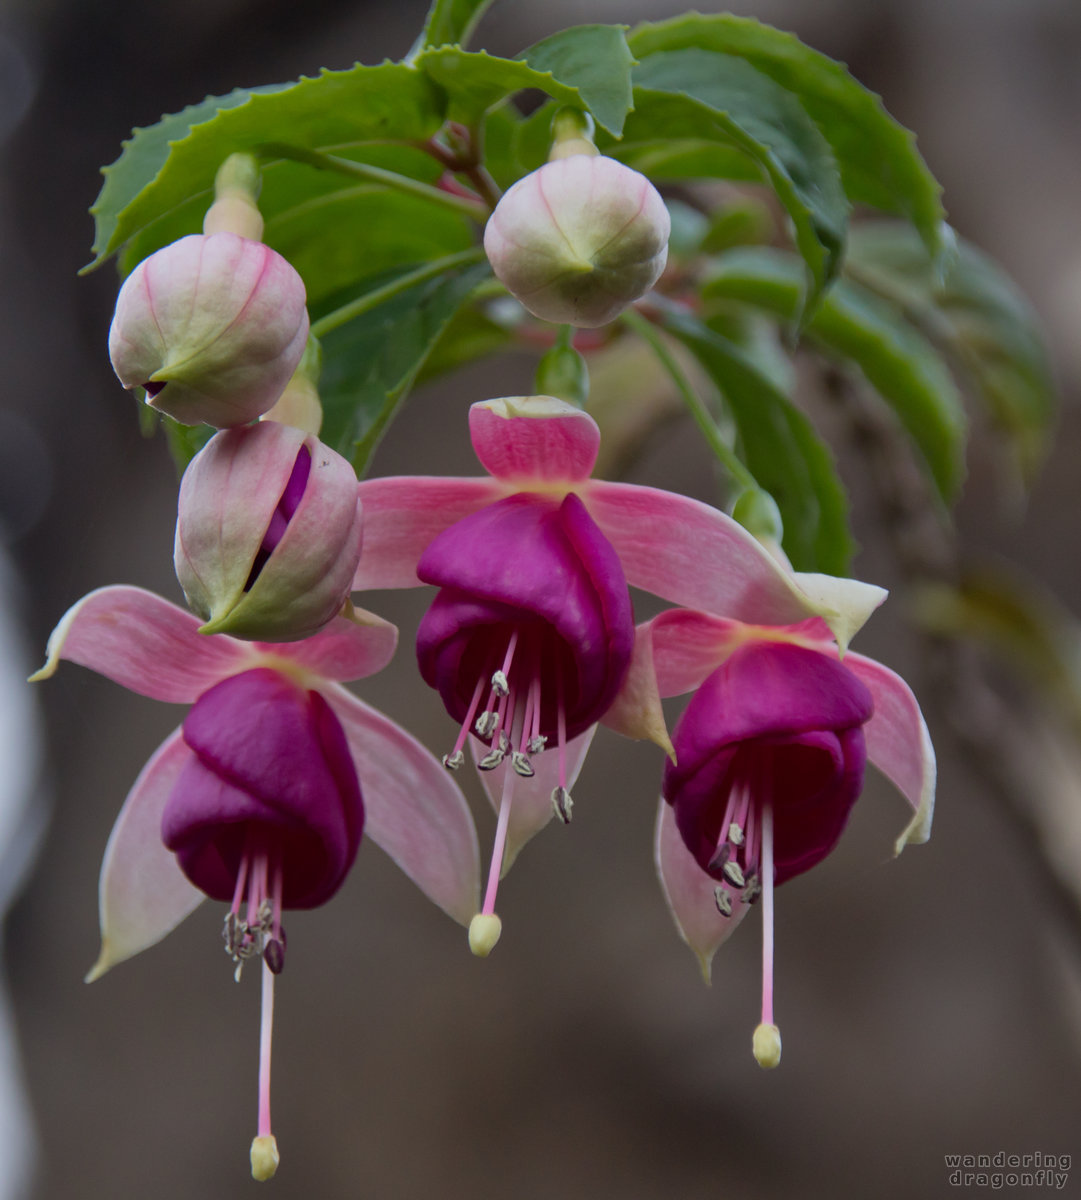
[(334, 111), (763, 120), (451, 22), (980, 316), (781, 449), (369, 364), (595, 60), (588, 66), (879, 162), (853, 324)]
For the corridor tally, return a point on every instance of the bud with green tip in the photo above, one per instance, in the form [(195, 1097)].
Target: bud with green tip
[(212, 326), (268, 533), (579, 239)]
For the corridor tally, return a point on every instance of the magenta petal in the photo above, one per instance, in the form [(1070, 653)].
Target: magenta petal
[(403, 514), (786, 721), (348, 648), (144, 643), (143, 894), (527, 440), (415, 811), (532, 564), (269, 755)]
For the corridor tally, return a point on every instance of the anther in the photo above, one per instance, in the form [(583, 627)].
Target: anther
[(274, 955), (723, 897), (453, 761), (734, 874), (504, 742), (562, 803), (752, 891), (490, 761), (720, 859), (499, 684), (537, 744), (485, 723), (521, 764), (735, 834)]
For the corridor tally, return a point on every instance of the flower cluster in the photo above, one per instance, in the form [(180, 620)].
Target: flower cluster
[(261, 797)]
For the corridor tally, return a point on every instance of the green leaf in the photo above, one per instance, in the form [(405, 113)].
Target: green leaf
[(764, 121), (781, 449), (588, 66), (451, 22), (469, 335), (173, 163), (185, 441), (980, 316), (371, 363), (851, 323), (375, 229), (595, 60), (879, 162)]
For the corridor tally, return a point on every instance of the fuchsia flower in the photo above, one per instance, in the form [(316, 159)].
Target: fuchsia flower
[(770, 756), (530, 639), (260, 798)]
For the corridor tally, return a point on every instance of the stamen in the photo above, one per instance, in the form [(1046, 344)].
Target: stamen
[(537, 744), (491, 760), (734, 874), (562, 803), (455, 758), (720, 860), (723, 898), (735, 834), (486, 722), (521, 764), (499, 684)]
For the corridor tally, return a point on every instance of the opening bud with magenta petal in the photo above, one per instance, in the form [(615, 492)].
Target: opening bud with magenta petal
[(268, 533)]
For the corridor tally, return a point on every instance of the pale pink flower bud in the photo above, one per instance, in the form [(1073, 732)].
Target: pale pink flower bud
[(268, 533), (579, 239), (212, 326)]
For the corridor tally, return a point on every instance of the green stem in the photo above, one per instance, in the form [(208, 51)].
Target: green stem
[(703, 418), (362, 304), (474, 209)]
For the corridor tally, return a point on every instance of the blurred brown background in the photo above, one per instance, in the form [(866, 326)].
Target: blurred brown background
[(930, 1006)]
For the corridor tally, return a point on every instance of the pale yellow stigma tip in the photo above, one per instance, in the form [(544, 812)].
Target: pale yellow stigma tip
[(484, 931), (264, 1157), (767, 1046)]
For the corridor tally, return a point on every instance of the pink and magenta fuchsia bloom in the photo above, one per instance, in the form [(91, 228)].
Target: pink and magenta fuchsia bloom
[(260, 798), (530, 639), (770, 756)]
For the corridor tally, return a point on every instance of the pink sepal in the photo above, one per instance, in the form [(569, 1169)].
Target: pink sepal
[(898, 744), (144, 643), (688, 646), (531, 440), (403, 514), (348, 648), (414, 810), (143, 894), (531, 808), (636, 711), (689, 892), (693, 555)]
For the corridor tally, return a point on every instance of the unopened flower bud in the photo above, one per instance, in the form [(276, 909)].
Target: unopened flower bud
[(212, 326), (268, 533), (579, 239)]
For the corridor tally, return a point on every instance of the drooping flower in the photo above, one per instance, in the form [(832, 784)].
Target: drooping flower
[(529, 640), (770, 756), (260, 798), (268, 533), (212, 326), (579, 239)]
